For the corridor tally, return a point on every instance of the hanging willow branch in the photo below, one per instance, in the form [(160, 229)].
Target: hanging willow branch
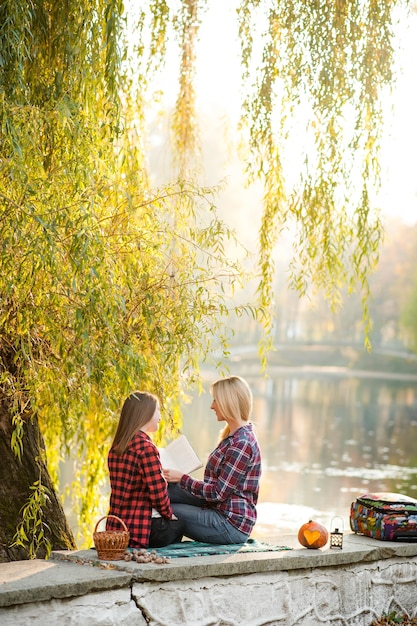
[(184, 123), (314, 74), (319, 87)]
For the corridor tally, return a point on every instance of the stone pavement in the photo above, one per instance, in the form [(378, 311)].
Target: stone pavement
[(71, 574)]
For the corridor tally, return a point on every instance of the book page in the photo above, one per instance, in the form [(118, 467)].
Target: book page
[(179, 455)]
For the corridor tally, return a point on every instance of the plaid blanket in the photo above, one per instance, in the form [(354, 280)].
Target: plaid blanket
[(196, 548)]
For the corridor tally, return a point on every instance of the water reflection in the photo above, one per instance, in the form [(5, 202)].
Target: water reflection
[(325, 439)]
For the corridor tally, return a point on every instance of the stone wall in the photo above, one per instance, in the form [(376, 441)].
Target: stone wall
[(337, 596), (181, 594)]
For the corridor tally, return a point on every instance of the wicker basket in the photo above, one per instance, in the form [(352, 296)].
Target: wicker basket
[(111, 544)]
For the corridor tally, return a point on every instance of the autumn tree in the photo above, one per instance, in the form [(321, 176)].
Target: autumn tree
[(403, 267), (107, 284)]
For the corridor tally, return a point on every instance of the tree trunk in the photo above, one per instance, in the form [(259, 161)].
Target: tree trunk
[(16, 477)]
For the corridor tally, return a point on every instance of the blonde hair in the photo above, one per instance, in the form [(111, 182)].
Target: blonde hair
[(137, 410), (234, 399)]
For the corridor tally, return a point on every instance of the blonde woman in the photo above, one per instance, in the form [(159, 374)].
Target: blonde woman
[(139, 492), (221, 508)]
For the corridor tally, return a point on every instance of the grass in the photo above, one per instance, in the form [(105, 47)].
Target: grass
[(393, 620)]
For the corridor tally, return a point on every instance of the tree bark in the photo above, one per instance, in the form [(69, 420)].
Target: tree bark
[(16, 477)]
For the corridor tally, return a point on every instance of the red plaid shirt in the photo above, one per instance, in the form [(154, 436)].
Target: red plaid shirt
[(137, 486), (231, 479)]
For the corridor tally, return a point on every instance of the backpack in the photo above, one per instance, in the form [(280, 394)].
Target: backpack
[(385, 516)]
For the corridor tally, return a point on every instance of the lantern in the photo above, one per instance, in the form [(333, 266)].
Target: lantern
[(336, 535)]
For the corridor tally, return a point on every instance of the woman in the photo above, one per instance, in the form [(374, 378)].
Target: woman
[(221, 508), (139, 494)]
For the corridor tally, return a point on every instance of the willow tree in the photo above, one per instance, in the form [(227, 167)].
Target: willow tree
[(108, 285)]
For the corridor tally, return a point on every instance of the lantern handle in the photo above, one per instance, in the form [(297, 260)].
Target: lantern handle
[(331, 523)]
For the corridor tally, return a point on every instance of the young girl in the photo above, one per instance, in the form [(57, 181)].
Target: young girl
[(139, 494), (221, 509)]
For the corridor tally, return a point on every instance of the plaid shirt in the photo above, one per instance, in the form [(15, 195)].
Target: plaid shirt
[(137, 486), (231, 479)]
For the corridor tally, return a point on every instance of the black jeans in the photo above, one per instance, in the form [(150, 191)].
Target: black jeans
[(165, 531)]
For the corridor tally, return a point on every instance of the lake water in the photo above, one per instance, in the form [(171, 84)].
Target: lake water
[(327, 436)]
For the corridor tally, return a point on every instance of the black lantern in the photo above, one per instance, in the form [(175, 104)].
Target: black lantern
[(336, 535)]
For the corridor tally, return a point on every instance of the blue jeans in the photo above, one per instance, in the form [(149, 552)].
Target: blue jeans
[(206, 525)]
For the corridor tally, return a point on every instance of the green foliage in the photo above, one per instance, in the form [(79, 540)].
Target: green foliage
[(394, 284), (108, 285), (409, 314), (31, 531), (392, 618)]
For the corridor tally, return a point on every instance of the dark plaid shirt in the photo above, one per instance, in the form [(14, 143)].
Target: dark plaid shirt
[(137, 486), (231, 479)]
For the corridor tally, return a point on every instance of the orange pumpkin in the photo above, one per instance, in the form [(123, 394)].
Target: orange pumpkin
[(313, 535)]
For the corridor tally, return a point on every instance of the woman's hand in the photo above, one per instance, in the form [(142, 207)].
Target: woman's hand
[(172, 476)]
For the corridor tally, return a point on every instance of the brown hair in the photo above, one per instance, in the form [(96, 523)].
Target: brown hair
[(234, 399), (137, 410)]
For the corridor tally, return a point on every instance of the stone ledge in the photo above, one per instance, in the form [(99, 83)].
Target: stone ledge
[(356, 549), (71, 574), (24, 582)]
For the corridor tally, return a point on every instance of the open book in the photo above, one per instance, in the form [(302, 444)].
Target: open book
[(180, 455)]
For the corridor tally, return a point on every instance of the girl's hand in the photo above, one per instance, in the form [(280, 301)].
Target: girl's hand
[(172, 476)]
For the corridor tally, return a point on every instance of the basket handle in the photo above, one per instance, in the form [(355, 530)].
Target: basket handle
[(115, 517)]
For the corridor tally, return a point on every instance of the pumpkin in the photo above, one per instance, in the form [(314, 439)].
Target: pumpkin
[(313, 535)]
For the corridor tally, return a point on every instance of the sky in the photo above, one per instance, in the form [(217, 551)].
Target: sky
[(399, 187)]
